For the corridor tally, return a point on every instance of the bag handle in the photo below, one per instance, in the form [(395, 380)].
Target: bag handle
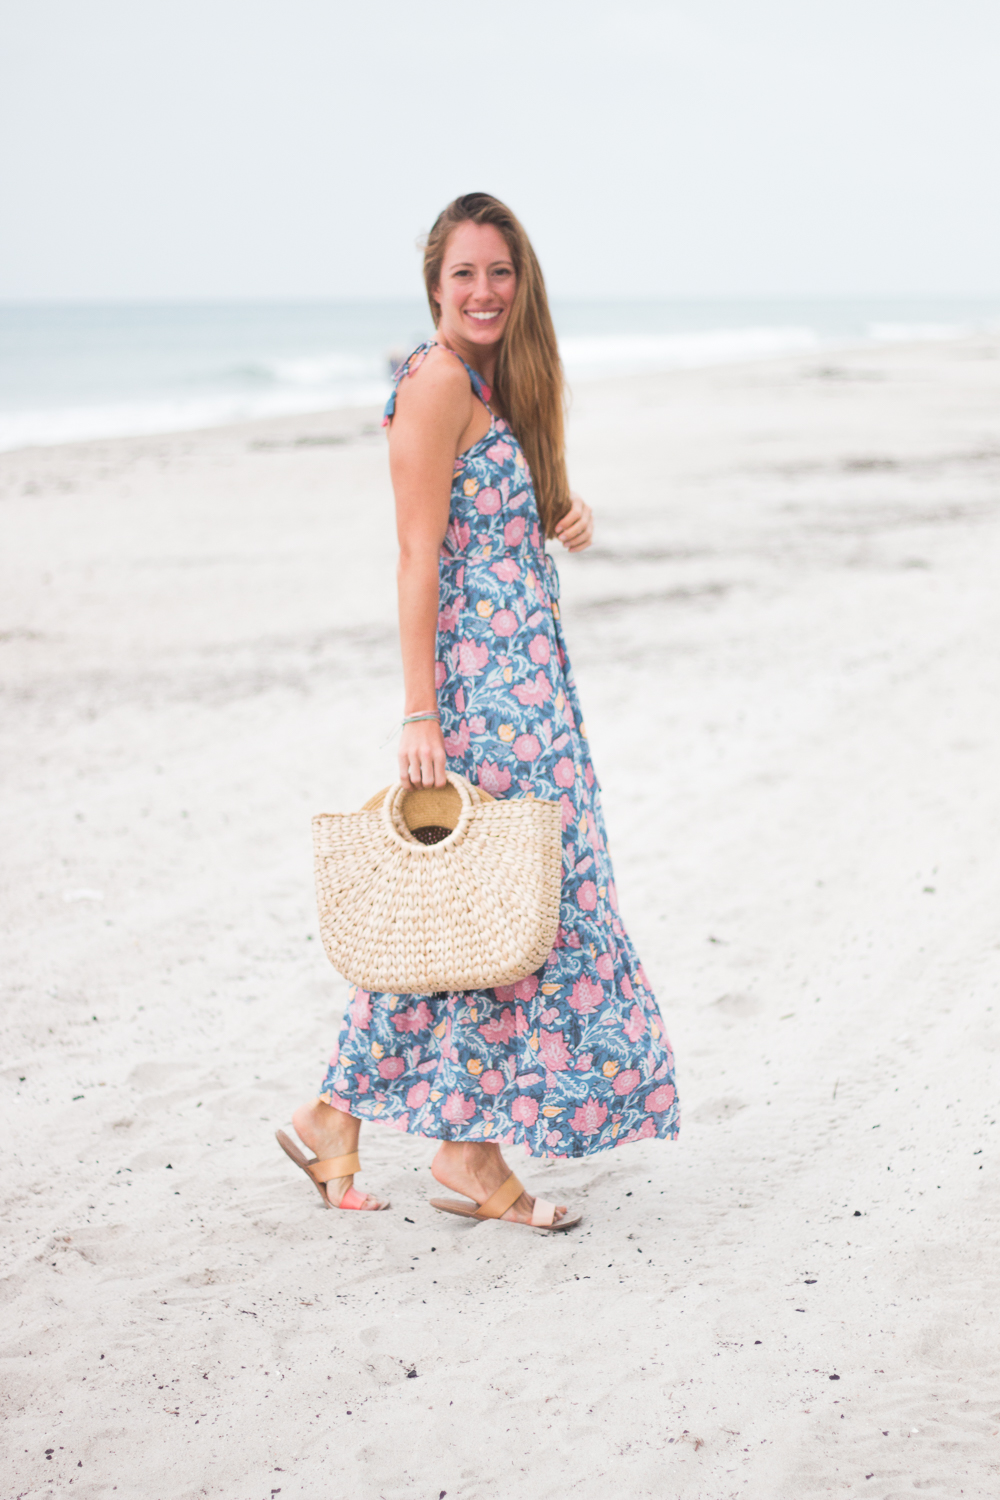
[(374, 803), (396, 826)]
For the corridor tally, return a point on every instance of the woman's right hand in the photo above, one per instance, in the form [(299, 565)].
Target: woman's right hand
[(422, 760)]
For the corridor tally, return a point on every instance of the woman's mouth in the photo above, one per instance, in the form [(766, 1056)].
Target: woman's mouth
[(485, 317)]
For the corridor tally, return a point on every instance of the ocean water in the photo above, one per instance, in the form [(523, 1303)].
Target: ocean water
[(77, 371)]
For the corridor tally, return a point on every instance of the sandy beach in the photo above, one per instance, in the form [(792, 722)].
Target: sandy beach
[(786, 642)]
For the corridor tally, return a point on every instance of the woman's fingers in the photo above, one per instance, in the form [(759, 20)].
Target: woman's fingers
[(422, 759), (576, 529), (577, 537)]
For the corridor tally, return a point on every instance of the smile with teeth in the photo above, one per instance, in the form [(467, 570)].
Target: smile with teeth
[(485, 317)]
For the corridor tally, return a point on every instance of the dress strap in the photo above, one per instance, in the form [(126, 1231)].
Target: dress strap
[(415, 360)]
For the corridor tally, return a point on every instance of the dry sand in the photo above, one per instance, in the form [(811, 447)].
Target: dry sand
[(787, 646)]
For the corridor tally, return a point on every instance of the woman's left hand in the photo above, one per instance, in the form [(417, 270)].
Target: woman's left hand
[(576, 529)]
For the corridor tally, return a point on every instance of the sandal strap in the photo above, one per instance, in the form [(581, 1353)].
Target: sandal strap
[(334, 1166), (543, 1215), (498, 1203), (353, 1199)]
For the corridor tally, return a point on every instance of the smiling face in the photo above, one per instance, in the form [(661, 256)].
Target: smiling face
[(477, 285)]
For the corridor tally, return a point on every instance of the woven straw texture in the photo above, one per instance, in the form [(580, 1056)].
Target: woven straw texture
[(476, 909)]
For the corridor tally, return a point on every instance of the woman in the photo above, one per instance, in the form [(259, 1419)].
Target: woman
[(572, 1060)]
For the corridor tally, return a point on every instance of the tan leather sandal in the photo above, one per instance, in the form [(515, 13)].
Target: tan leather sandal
[(497, 1204), (322, 1172)]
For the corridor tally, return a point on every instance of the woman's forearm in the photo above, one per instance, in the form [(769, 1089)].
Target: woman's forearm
[(417, 578)]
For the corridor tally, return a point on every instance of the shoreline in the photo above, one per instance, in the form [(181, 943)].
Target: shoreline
[(741, 355)]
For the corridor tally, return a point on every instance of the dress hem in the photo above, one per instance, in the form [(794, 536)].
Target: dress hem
[(336, 1102)]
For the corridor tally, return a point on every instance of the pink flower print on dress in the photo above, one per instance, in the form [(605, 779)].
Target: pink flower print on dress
[(391, 1067), (625, 985), (500, 452), (361, 1080), (635, 1025), (553, 1138), (458, 536), (549, 1015), (504, 623), (660, 1099), (460, 700), (586, 996), (605, 966), (587, 895), (568, 812), (361, 1010), (513, 532), (525, 1110), (589, 1117), (417, 1096), (458, 741), (493, 778), (526, 747), (506, 570), (457, 1108), (554, 1052), (491, 1082), (534, 693), (449, 616), (440, 673), (539, 651), (416, 1019), (527, 989), (499, 1029), (585, 1062), (477, 724), (627, 1081), (488, 502), (472, 658), (564, 771), (588, 774)]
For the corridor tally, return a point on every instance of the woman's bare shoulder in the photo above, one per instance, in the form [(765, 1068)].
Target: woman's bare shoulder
[(439, 385)]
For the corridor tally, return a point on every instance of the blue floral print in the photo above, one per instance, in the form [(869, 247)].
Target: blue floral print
[(572, 1060)]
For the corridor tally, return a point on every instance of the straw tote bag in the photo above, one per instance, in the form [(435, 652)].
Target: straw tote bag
[(439, 889)]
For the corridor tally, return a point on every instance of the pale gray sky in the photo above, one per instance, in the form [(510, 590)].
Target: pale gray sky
[(233, 148)]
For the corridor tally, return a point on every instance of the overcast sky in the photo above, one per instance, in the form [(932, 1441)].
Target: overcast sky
[(296, 148)]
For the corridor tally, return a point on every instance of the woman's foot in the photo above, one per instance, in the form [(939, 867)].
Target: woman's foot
[(329, 1132), (476, 1170)]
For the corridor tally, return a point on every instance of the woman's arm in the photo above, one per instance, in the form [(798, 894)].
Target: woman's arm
[(432, 412)]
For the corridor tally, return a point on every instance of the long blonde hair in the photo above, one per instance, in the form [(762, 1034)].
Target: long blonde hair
[(529, 376)]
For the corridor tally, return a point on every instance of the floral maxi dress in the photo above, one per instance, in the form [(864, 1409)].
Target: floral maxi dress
[(572, 1060)]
